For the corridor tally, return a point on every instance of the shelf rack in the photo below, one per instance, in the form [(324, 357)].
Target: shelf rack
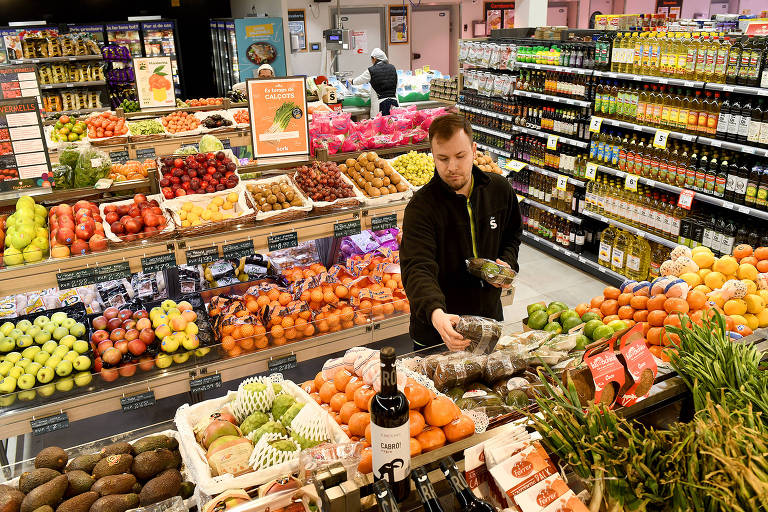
[(631, 229)]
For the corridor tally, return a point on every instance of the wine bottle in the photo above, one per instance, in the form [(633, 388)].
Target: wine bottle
[(425, 490), (468, 501), (384, 496), (390, 430)]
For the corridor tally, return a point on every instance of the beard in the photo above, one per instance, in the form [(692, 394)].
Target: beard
[(457, 182)]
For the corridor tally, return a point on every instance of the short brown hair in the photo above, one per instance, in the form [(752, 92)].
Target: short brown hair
[(444, 127)]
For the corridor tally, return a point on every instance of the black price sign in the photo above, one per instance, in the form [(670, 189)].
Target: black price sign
[(75, 278), (144, 153), (49, 424), (238, 249), (158, 263), (204, 255), (226, 143), (282, 241), (111, 272), (205, 383), (384, 222), (283, 363), (119, 157), (348, 228), (140, 401)]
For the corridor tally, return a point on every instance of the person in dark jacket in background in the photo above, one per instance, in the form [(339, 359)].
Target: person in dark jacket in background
[(461, 213), (383, 78)]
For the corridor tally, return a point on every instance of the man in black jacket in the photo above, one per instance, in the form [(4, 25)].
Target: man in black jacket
[(461, 213)]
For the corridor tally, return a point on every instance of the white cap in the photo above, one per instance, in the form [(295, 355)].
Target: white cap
[(266, 66), (379, 54)]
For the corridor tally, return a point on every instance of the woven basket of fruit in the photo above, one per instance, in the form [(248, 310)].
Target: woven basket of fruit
[(277, 199), (375, 178), (146, 130), (203, 214), (327, 187), (140, 218)]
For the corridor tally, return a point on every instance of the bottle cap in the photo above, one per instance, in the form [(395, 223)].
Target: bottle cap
[(387, 354), (446, 464)]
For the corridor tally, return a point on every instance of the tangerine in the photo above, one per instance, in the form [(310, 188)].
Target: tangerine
[(610, 318), (337, 401), (417, 423), (431, 438), (639, 302), (440, 411), (611, 292), (347, 410), (319, 380), (581, 308), (308, 386), (277, 331), (761, 253), (596, 302), (366, 461), (654, 335), (624, 299), (656, 302), (341, 292), (327, 390), (341, 378), (228, 343), (609, 307), (656, 317), (417, 395), (353, 385), (742, 251), (640, 316), (675, 305), (626, 312), (284, 298), (458, 429), (762, 266), (363, 397), (696, 299), (415, 447), (357, 423)]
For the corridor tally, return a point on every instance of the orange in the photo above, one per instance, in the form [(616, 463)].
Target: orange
[(308, 386), (624, 299), (696, 300), (366, 461), (611, 292), (261, 342), (334, 319), (742, 251), (415, 447), (322, 326), (246, 344), (610, 318), (645, 327), (357, 423), (341, 378), (669, 339), (417, 395), (391, 284), (236, 351), (675, 321), (347, 314), (656, 317), (654, 335), (630, 323), (639, 302), (330, 298), (609, 306), (640, 316), (368, 434), (596, 301), (417, 423), (316, 398), (458, 429), (581, 308), (596, 311), (761, 253), (431, 438), (347, 410), (341, 292), (656, 302), (337, 401), (319, 380), (277, 331), (247, 330), (377, 310), (353, 385), (675, 305), (287, 322), (227, 343), (751, 260), (327, 391), (262, 301), (316, 295), (273, 294), (626, 312), (309, 330), (363, 397), (440, 411), (284, 298), (762, 266)]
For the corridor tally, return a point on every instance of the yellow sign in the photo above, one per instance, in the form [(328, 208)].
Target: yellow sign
[(595, 123), (660, 139), (562, 181), (630, 182), (591, 171), (515, 165), (259, 30)]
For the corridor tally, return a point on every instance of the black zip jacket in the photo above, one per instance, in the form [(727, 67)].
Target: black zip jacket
[(437, 240)]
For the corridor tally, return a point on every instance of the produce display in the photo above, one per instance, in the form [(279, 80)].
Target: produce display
[(76, 230), (26, 233), (216, 121), (133, 220), (105, 124), (322, 181), (373, 175), (274, 195), (38, 349), (69, 129), (242, 116), (202, 102), (217, 208), (177, 122), (129, 105), (146, 127), (417, 168), (485, 163), (203, 173), (131, 170)]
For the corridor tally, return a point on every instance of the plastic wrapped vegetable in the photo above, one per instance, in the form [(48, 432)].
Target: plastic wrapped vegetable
[(63, 176), (490, 271), (482, 332), (502, 364), (92, 165), (69, 156), (458, 369)]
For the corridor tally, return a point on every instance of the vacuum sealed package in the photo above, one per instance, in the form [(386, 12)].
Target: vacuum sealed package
[(149, 286), (483, 333), (502, 364), (490, 271), (458, 369)]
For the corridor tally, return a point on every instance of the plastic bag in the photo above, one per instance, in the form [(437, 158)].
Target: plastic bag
[(458, 369), (490, 271), (69, 156), (482, 332), (502, 364), (63, 176), (92, 165)]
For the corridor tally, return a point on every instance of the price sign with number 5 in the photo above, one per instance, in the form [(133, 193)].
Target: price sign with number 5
[(595, 123), (552, 141), (591, 171), (630, 182), (562, 181), (660, 139)]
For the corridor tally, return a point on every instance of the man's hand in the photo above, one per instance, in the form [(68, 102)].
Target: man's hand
[(444, 324), (503, 264)]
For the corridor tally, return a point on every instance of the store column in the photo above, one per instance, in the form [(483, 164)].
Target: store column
[(531, 13)]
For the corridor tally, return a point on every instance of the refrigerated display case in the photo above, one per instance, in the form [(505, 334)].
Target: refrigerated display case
[(159, 39), (126, 34), (225, 61)]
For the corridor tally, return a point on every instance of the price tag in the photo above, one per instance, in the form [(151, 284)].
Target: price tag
[(74, 278), (226, 143), (591, 171), (140, 401), (144, 153), (686, 198), (595, 123), (384, 222), (552, 141), (743, 209), (688, 83), (728, 88), (205, 383), (51, 423), (157, 263), (238, 250), (282, 364), (282, 241), (119, 157), (112, 272), (204, 255), (630, 182), (515, 165), (348, 228), (660, 139), (562, 182)]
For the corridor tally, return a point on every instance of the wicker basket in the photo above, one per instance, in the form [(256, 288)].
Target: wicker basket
[(116, 242), (292, 213), (331, 206), (245, 205)]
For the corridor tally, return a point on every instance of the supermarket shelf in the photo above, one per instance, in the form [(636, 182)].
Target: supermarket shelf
[(733, 146), (549, 97), (632, 229), (648, 129), (70, 58), (547, 67), (553, 174), (650, 79), (495, 150), (484, 111), (644, 181), (77, 112), (497, 133), (574, 259), (738, 89), (67, 85), (541, 133), (553, 211)]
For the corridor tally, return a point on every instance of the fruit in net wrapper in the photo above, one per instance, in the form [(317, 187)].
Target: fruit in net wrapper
[(490, 271)]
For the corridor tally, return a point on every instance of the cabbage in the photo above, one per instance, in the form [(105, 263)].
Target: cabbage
[(209, 144)]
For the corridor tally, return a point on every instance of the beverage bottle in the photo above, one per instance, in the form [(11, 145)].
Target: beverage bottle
[(384, 497), (618, 252), (753, 180), (691, 57), (734, 121), (390, 432), (579, 241), (755, 123), (713, 112), (764, 127), (607, 238), (426, 492), (701, 173), (728, 237), (711, 58), (723, 118), (467, 500), (746, 114), (734, 61), (761, 200), (683, 41), (665, 106), (703, 107), (721, 61)]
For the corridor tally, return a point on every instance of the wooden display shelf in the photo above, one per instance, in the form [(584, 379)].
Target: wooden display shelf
[(382, 152)]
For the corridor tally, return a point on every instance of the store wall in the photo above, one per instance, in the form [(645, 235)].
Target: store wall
[(471, 10)]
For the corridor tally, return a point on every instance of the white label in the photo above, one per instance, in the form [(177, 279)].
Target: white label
[(633, 263), (95, 162), (605, 252), (660, 139), (617, 258), (552, 141), (391, 452), (591, 171)]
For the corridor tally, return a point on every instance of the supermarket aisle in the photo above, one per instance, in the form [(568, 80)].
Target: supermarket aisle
[(543, 277)]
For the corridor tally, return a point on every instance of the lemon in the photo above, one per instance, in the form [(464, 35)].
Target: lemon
[(752, 321), (187, 206), (206, 215), (232, 197), (227, 205), (197, 210), (218, 201), (185, 223), (193, 217), (183, 214), (755, 304), (217, 216)]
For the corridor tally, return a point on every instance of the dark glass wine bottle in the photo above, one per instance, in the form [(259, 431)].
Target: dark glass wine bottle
[(390, 430), (425, 490), (384, 497), (468, 501)]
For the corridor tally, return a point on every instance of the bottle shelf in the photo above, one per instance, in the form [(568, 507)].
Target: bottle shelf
[(738, 89), (553, 211), (476, 110), (547, 67), (497, 133), (494, 150), (552, 174), (650, 79), (648, 129), (555, 99), (631, 229), (541, 133), (733, 146)]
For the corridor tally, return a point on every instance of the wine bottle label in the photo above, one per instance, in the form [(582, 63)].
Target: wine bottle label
[(391, 452)]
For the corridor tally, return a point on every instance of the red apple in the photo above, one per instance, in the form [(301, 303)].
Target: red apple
[(124, 314), (146, 363), (127, 369), (142, 313), (117, 228), (110, 208), (112, 355), (117, 335), (136, 347), (104, 345), (109, 374), (97, 364), (147, 335), (97, 243), (131, 334), (122, 346), (100, 323), (139, 198), (65, 235), (111, 217), (79, 247), (113, 323), (99, 335), (129, 324), (111, 312)]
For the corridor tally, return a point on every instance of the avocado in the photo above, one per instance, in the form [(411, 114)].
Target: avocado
[(136, 489), (80, 503), (114, 484), (50, 493), (84, 462), (146, 444), (187, 490), (116, 449), (177, 459), (35, 478), (79, 482), (165, 485), (52, 457), (113, 465), (10, 499), (115, 503), (148, 464)]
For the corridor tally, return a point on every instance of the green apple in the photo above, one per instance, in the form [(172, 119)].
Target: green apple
[(168, 304), (47, 390), (170, 344), (42, 337), (58, 317), (64, 368), (53, 361), (50, 327), (13, 357), (31, 352), (163, 360), (24, 325), (50, 346), (27, 396), (181, 357), (60, 351), (83, 379), (6, 328), (81, 346), (34, 330), (23, 363), (68, 341), (33, 367), (26, 381), (16, 372), (71, 356), (41, 321), (7, 344), (65, 384), (190, 342), (15, 334), (173, 313), (68, 323), (25, 341), (77, 330), (82, 363), (5, 368), (8, 385), (45, 375), (60, 332), (41, 357), (155, 312)]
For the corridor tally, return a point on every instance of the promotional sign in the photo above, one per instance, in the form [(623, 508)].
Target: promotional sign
[(154, 83), (19, 81), (398, 24), (278, 111), (259, 41), (24, 159)]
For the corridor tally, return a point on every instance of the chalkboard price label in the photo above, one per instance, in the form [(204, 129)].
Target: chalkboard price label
[(238, 249), (204, 255), (205, 383), (49, 424), (348, 228), (144, 153), (384, 222), (282, 241), (140, 401), (282, 364), (226, 143), (119, 157), (157, 263), (111, 272), (75, 278)]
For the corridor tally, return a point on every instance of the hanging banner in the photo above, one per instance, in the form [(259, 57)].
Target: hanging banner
[(154, 82), (398, 24), (278, 116), (259, 41)]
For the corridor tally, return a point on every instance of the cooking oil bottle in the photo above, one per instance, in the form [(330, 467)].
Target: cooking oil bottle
[(619, 252), (607, 237), (638, 259), (659, 254)]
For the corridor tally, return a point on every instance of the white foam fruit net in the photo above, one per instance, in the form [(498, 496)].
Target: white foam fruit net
[(264, 455), (247, 401), (311, 425)]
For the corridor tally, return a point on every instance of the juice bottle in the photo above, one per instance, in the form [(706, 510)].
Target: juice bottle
[(618, 253), (638, 259), (607, 238)]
